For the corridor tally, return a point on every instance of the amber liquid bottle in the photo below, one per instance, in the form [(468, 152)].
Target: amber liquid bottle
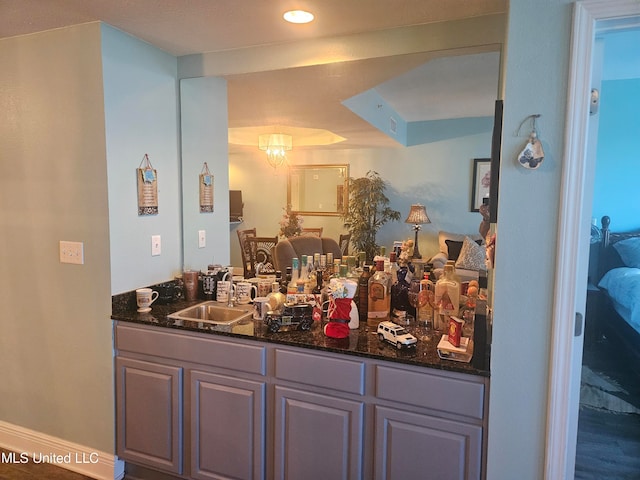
[(379, 302)]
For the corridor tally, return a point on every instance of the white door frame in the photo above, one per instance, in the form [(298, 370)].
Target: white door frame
[(564, 374)]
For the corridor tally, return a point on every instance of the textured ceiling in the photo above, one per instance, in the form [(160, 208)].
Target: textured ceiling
[(184, 27), (283, 97)]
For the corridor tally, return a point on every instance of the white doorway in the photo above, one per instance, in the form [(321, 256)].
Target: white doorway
[(573, 229)]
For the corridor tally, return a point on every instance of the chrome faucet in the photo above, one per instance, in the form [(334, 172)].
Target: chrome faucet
[(229, 276), (231, 297)]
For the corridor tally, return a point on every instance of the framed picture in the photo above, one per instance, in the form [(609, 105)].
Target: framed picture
[(481, 183)]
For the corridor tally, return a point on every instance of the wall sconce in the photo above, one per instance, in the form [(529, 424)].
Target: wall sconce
[(276, 145), (418, 216)]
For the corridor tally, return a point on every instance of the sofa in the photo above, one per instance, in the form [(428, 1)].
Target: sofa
[(295, 247), (467, 251)]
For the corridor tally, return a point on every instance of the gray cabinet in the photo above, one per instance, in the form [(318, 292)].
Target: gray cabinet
[(317, 436), (227, 427), (411, 445), (260, 410), (149, 413)]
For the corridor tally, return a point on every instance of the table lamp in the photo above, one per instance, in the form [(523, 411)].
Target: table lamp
[(418, 216)]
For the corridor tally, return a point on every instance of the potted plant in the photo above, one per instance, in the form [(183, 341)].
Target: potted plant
[(368, 209), (290, 223)]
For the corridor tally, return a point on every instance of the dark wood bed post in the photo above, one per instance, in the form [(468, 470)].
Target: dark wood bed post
[(606, 221), (604, 243)]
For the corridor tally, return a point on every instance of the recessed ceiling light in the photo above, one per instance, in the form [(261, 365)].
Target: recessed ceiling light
[(298, 16)]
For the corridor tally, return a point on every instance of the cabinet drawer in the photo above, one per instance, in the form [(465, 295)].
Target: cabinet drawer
[(321, 371), (197, 349), (438, 392)]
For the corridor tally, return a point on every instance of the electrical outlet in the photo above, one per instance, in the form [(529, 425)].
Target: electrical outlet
[(202, 238), (156, 245), (71, 252)]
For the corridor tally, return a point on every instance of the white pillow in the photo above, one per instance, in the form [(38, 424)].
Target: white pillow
[(472, 256)]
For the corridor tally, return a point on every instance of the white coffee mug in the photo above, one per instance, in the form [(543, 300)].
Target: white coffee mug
[(243, 291), (260, 307), (264, 287), (224, 288), (144, 298)]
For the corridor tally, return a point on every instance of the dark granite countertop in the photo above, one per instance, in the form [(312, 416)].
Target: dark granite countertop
[(361, 342)]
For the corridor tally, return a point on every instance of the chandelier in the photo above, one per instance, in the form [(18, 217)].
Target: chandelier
[(276, 145)]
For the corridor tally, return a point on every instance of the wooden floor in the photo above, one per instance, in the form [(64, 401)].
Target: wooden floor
[(608, 443)]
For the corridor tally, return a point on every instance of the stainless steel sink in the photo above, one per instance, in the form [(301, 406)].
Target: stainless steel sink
[(214, 313)]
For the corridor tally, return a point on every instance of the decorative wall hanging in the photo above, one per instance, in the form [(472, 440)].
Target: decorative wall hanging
[(532, 154), (147, 178), (206, 190)]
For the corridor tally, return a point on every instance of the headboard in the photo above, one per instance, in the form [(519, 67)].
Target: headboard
[(608, 257)]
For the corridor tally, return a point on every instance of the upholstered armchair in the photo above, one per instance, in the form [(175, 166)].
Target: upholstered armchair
[(295, 247)]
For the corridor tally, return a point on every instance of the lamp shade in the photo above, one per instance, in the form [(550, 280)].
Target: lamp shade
[(417, 215)]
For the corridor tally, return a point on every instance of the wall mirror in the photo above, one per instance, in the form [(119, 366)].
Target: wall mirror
[(354, 97), (318, 189)]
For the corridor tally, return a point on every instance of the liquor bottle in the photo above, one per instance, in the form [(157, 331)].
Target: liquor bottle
[(292, 287), (480, 327), (424, 309), (447, 298), (317, 289), (363, 293), (393, 267), (323, 267), (284, 282), (400, 308), (379, 301), (304, 274)]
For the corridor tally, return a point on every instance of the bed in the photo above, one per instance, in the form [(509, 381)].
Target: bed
[(619, 280)]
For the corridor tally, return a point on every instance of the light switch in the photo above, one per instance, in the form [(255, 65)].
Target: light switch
[(156, 245), (202, 238)]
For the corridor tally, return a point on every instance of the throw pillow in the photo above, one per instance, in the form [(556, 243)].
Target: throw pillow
[(472, 256), (455, 237), (453, 249), (629, 251)]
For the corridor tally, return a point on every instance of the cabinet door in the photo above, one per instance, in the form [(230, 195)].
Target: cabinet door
[(410, 445), (149, 414), (316, 436), (227, 427)]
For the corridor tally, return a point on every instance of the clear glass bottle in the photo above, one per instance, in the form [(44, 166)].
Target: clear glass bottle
[(424, 309), (292, 286), (447, 298), (379, 301)]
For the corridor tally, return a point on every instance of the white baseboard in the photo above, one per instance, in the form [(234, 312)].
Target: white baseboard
[(37, 447)]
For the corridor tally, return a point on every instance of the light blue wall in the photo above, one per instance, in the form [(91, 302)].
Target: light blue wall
[(141, 116), (536, 63), (204, 139), (616, 189), (56, 349)]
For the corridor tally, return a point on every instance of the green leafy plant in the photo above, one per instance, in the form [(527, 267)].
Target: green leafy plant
[(290, 223), (368, 209)]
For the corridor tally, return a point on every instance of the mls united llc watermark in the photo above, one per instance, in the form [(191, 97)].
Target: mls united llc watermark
[(39, 457)]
